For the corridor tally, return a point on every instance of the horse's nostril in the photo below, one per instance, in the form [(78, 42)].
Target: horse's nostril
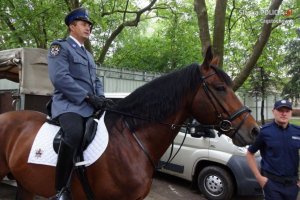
[(255, 131)]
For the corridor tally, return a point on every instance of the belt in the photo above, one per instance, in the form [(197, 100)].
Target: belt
[(281, 179)]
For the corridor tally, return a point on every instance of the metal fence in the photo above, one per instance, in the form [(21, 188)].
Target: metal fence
[(255, 104), (123, 80)]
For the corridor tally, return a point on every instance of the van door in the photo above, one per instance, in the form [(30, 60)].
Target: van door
[(191, 151)]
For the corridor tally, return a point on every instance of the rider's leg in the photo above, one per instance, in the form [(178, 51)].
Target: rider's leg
[(72, 125)]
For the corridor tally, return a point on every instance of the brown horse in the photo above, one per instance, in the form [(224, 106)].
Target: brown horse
[(141, 128)]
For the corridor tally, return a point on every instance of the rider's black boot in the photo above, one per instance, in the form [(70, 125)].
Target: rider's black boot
[(64, 168)]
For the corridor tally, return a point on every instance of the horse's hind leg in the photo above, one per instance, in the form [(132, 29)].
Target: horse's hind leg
[(23, 194)]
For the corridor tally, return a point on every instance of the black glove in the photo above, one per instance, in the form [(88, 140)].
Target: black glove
[(98, 102)]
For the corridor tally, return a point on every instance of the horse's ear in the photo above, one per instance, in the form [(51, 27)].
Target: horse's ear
[(215, 61), (208, 56)]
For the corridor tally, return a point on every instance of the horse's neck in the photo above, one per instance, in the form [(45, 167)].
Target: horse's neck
[(157, 138)]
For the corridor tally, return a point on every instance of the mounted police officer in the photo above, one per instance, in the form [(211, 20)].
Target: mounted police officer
[(279, 144), (78, 93)]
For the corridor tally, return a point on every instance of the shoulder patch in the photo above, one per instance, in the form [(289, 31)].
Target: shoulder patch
[(55, 49)]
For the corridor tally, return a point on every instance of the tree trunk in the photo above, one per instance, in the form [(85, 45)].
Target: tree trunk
[(201, 12), (219, 30)]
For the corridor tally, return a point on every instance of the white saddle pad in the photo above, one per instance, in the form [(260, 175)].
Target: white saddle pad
[(42, 151)]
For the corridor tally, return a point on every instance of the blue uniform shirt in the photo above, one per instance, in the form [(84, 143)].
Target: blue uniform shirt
[(279, 149), (72, 71)]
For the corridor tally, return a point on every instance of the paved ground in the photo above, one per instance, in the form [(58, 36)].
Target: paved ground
[(164, 187)]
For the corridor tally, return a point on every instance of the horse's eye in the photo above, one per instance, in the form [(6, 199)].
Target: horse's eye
[(220, 88)]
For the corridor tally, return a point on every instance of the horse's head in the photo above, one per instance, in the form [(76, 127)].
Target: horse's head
[(221, 107)]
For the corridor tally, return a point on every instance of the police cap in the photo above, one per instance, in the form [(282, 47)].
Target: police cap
[(283, 103), (78, 14)]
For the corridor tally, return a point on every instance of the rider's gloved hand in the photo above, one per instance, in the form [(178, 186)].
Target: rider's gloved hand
[(98, 102)]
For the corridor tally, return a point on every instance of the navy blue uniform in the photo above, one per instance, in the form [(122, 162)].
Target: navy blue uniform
[(279, 149)]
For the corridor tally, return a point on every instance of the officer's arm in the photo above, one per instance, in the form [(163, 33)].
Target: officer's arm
[(254, 168), (99, 87)]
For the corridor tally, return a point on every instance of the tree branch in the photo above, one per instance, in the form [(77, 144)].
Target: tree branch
[(119, 29), (259, 45)]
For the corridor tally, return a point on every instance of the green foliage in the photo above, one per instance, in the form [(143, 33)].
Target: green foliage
[(243, 29), (30, 23), (166, 37), (295, 121), (171, 43), (292, 64)]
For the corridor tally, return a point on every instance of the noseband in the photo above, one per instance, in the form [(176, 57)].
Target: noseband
[(225, 124)]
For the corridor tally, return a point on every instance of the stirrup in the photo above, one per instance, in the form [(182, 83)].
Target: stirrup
[(63, 194)]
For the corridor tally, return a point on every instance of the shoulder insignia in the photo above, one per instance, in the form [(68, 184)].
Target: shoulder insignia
[(55, 49)]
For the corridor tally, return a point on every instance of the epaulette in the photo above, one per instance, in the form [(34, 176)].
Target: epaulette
[(295, 126), (58, 41), (61, 40)]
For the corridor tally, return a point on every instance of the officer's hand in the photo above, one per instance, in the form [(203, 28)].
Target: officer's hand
[(98, 102), (109, 102), (262, 181)]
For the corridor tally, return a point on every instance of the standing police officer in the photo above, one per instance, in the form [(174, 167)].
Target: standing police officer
[(77, 92), (279, 144)]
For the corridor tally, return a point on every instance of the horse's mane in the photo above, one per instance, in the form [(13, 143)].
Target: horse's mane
[(161, 97)]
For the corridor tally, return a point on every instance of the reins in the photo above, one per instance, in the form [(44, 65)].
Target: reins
[(132, 130), (172, 126)]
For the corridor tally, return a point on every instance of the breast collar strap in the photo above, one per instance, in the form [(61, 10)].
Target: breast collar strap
[(132, 130)]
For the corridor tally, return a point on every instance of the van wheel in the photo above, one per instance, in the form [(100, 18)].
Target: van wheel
[(215, 183)]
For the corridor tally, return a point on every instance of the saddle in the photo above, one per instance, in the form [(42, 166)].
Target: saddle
[(89, 134)]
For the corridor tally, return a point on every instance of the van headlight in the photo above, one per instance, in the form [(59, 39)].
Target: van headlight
[(242, 149)]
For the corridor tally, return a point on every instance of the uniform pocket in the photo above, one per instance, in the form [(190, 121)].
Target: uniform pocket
[(79, 67), (80, 61), (274, 149)]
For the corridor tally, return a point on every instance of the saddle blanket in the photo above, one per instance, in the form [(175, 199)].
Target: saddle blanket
[(42, 151)]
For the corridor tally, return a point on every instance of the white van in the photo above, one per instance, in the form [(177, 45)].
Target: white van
[(212, 163)]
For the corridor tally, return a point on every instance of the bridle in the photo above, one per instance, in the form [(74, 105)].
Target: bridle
[(225, 124)]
